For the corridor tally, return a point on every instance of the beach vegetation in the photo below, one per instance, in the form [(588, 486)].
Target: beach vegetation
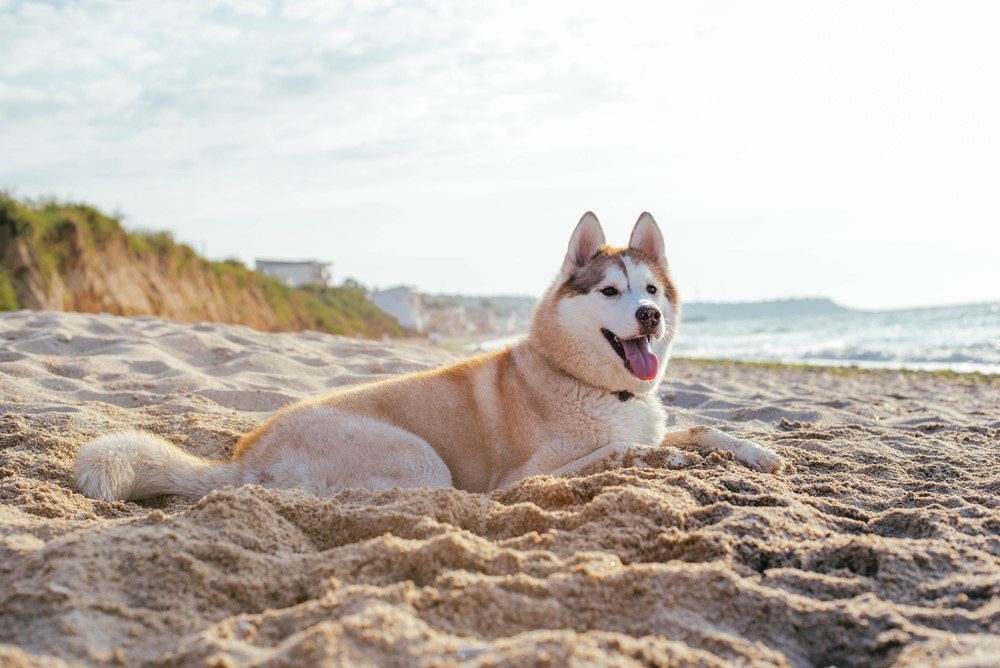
[(67, 244), (8, 294)]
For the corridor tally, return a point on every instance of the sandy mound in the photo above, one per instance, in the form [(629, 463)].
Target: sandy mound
[(880, 545)]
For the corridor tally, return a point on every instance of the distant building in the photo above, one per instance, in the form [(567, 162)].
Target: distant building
[(404, 304), (296, 274)]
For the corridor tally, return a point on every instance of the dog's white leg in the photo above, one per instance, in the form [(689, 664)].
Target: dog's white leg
[(625, 454), (755, 456)]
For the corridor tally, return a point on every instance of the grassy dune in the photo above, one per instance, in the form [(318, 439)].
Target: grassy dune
[(72, 257)]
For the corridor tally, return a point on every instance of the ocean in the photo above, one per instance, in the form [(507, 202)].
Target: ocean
[(959, 338)]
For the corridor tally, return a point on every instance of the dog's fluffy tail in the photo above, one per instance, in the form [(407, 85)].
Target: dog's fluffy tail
[(137, 465)]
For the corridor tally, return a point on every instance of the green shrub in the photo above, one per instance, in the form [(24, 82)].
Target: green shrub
[(49, 228), (8, 292)]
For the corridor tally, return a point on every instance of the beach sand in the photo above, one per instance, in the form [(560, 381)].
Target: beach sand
[(879, 545)]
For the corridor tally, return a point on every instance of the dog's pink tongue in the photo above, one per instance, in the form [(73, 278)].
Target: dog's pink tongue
[(642, 360)]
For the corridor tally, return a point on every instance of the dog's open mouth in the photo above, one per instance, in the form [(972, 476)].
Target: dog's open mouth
[(638, 358)]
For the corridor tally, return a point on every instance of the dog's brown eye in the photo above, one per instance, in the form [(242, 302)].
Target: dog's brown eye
[(651, 289), (609, 291)]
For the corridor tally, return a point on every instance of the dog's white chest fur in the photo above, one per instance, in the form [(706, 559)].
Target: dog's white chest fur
[(588, 420)]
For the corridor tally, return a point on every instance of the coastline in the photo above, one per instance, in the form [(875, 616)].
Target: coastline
[(485, 343), (960, 338), (846, 369)]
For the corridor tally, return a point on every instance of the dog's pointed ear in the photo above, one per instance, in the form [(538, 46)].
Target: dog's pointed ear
[(587, 239), (647, 239)]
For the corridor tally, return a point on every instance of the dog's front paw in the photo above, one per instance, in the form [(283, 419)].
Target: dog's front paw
[(759, 458), (707, 439)]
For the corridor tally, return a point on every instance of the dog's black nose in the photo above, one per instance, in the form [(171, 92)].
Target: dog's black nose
[(648, 317)]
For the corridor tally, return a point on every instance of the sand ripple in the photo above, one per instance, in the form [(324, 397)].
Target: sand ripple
[(880, 546)]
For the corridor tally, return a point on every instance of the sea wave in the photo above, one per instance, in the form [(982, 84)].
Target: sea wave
[(957, 338)]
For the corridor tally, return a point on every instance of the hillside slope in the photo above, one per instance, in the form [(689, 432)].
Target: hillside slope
[(71, 257)]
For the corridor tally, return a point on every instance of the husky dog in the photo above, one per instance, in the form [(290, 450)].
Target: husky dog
[(578, 388)]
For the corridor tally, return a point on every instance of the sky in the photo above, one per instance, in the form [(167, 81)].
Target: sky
[(843, 149)]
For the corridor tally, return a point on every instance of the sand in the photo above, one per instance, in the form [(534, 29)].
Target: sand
[(880, 545)]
